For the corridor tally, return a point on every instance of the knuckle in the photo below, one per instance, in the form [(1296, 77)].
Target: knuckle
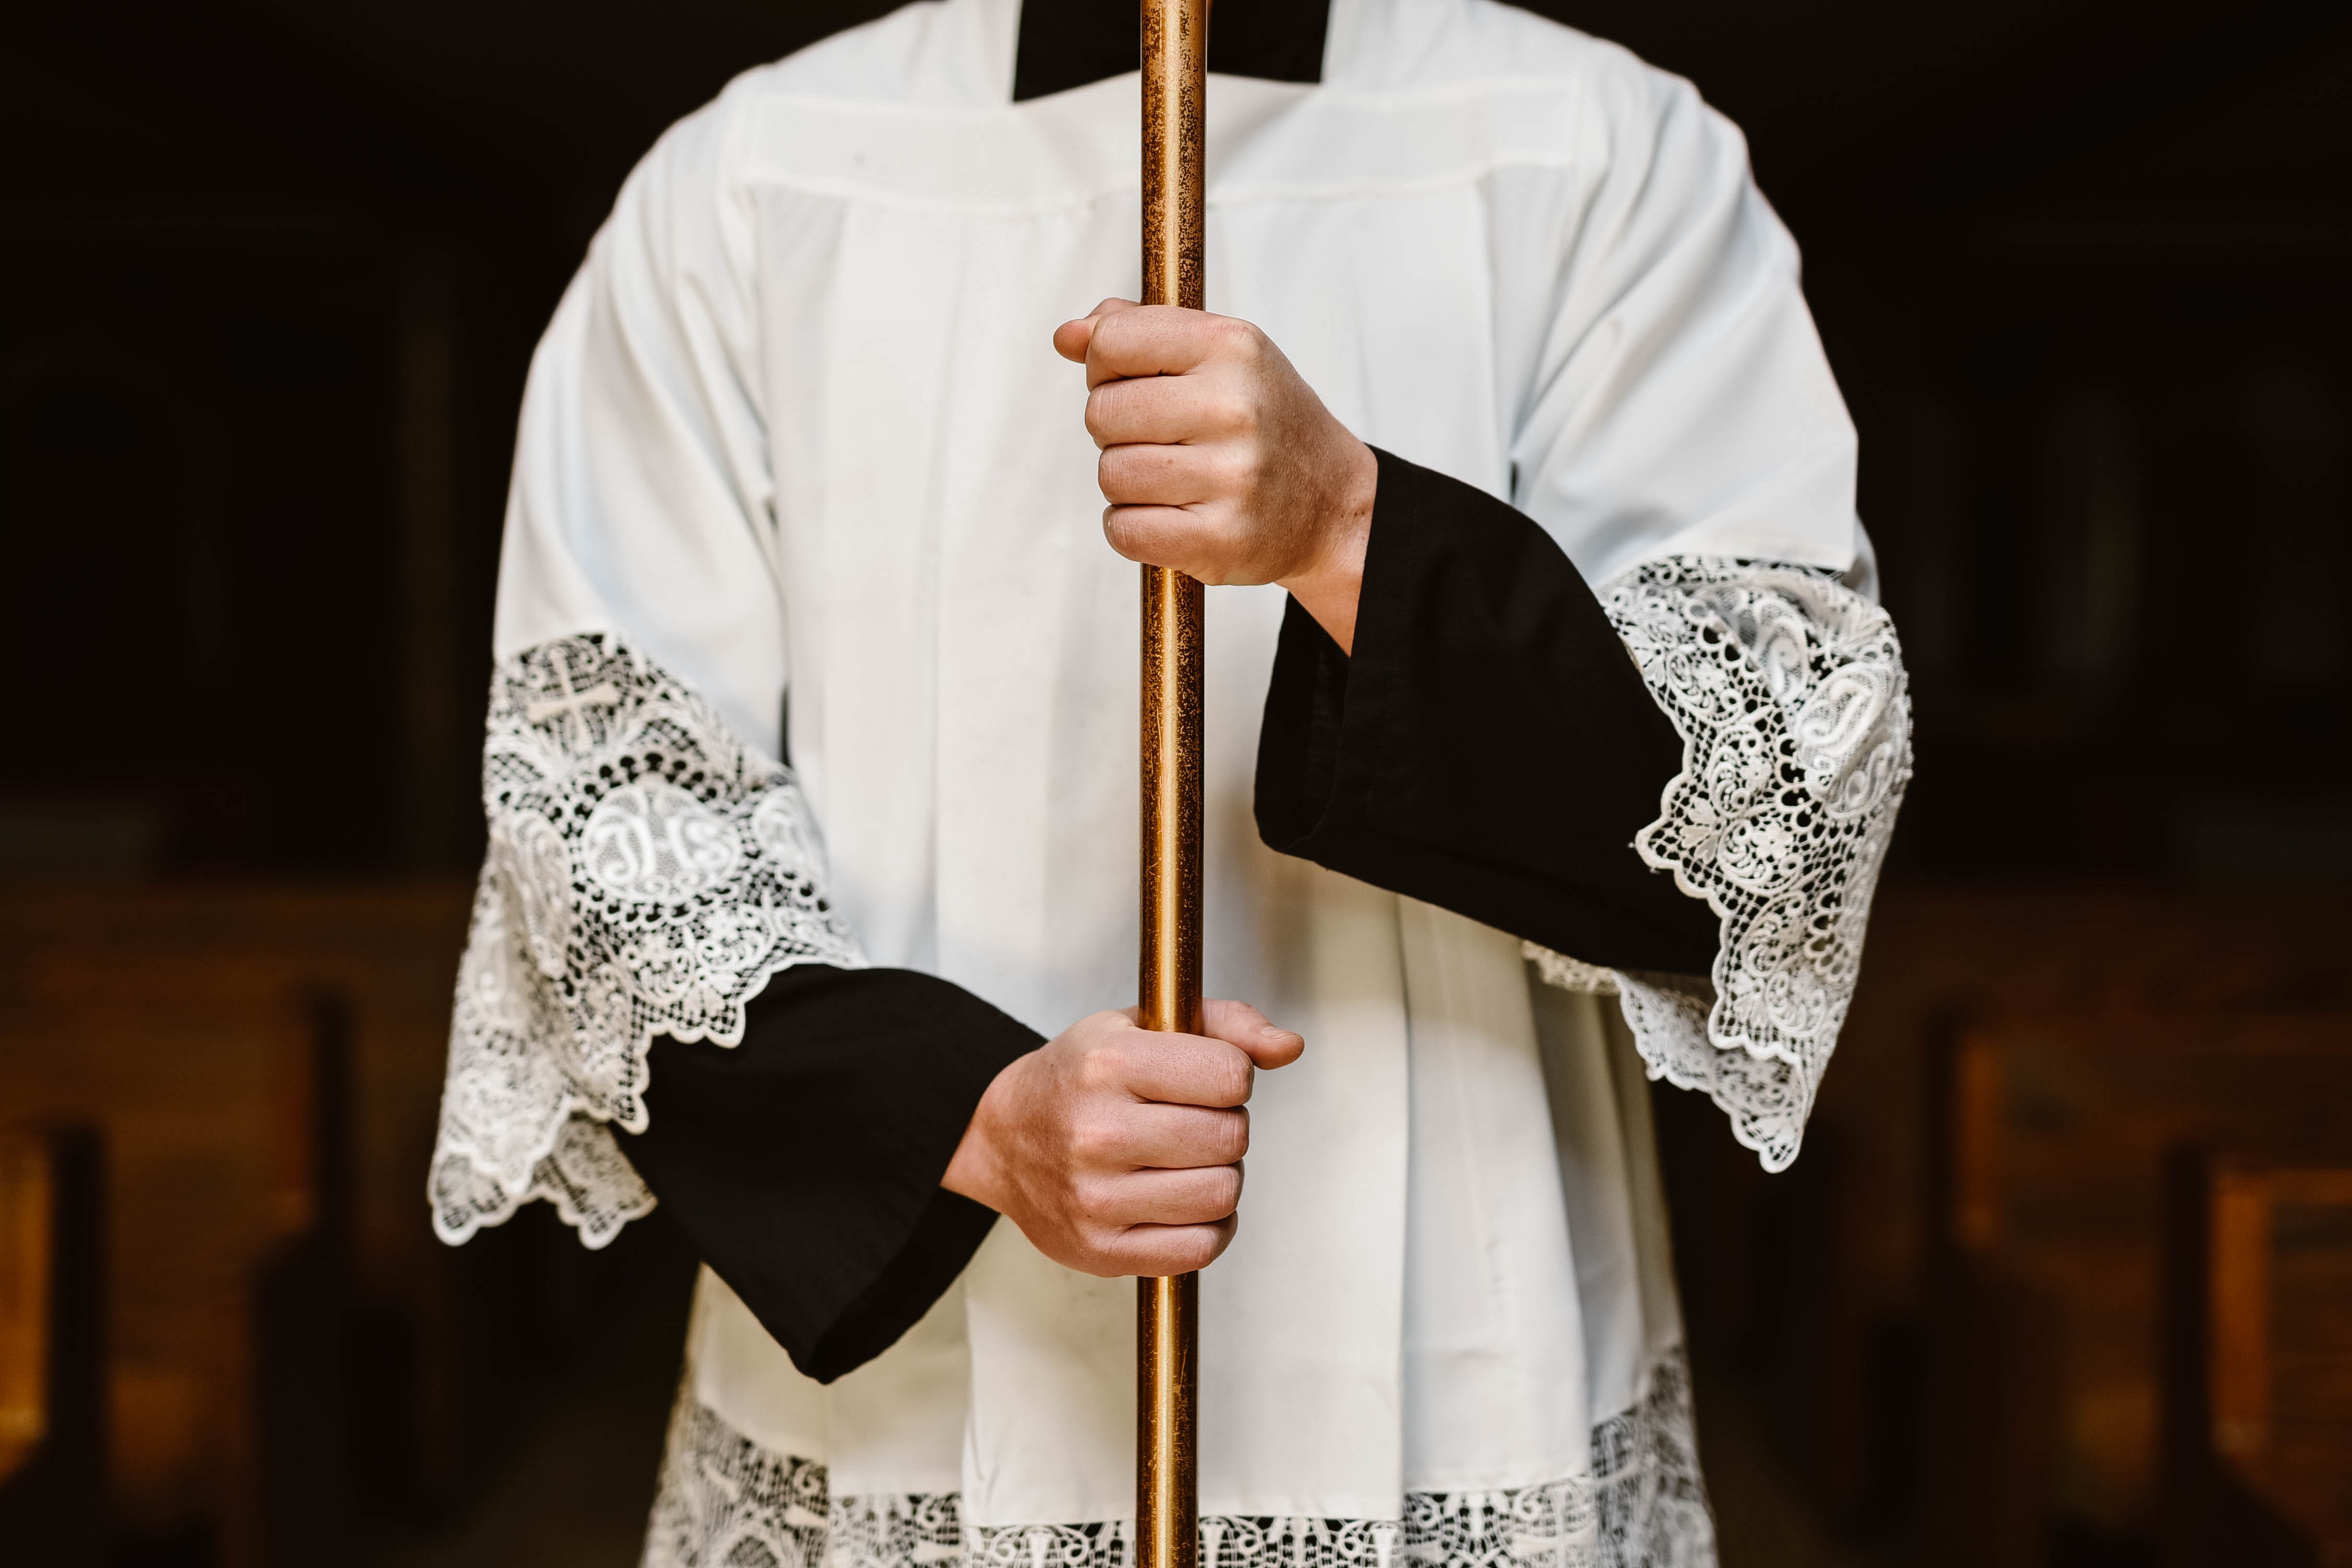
[(1236, 1137), (1234, 1079), (1200, 1249), (1092, 1204), (1101, 1066), (1096, 1140), (1115, 473), (1126, 533), (1098, 1257), (1237, 473), (1225, 1192), (1230, 409)]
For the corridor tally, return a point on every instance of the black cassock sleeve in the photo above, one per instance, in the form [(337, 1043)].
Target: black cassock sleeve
[(1489, 748), (804, 1163)]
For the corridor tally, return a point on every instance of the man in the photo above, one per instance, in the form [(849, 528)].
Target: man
[(801, 481)]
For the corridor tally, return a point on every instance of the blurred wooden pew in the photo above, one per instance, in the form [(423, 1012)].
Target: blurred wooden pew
[(298, 1325), (264, 1064), (2258, 1386), (1829, 1285), (52, 1350), (2045, 1295)]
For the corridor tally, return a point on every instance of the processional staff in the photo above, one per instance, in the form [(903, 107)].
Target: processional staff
[(1167, 1334)]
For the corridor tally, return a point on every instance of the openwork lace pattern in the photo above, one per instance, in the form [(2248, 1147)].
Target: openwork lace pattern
[(726, 1502), (646, 873), (1789, 691)]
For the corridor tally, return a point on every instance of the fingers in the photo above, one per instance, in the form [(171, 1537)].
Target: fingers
[(1215, 1071), (1120, 338), (1163, 536), (1174, 1137), (1173, 410), (1165, 476), (1124, 1156), (1185, 1069), (1113, 1052), (1109, 1204), (1150, 1250), (1161, 340), (1239, 1023), (1071, 338)]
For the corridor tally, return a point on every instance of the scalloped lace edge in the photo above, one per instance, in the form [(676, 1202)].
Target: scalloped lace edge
[(1788, 692), (725, 1501), (648, 873)]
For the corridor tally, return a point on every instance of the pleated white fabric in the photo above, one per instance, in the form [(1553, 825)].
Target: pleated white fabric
[(798, 428)]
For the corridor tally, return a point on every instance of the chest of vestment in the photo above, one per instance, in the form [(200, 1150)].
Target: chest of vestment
[(962, 639)]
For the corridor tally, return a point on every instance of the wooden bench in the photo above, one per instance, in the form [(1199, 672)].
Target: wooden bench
[(2258, 1392), (52, 1361), (2049, 1210), (186, 1023), (1826, 1284)]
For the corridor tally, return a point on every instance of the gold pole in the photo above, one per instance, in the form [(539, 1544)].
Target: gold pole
[(1167, 1334)]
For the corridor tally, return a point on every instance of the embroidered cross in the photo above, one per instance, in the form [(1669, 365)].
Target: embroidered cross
[(604, 694)]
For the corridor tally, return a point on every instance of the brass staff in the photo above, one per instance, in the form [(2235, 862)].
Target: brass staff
[(1167, 1334)]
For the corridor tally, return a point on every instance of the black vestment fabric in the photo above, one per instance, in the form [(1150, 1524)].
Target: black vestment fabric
[(1490, 748), (804, 1162), (1070, 43)]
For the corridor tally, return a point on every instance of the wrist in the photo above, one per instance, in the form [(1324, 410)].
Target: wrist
[(976, 1170), (1330, 584)]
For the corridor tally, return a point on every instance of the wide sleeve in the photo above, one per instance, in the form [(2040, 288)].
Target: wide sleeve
[(1680, 523), (654, 903), (1789, 691), (804, 1164), (643, 498), (1678, 792), (646, 873), (649, 864), (1489, 748), (1671, 394), (1681, 436)]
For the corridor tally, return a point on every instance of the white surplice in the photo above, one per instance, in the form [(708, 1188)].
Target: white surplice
[(797, 429)]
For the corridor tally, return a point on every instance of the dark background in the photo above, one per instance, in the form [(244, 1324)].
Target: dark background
[(274, 271), (272, 274)]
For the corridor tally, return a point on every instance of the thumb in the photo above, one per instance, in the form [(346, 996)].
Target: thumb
[(1071, 339), (1239, 1023)]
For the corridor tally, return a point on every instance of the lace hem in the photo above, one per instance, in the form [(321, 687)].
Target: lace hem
[(1789, 691), (646, 873), (726, 1502)]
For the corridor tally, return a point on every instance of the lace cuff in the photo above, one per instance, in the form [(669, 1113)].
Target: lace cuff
[(1789, 691), (646, 873)]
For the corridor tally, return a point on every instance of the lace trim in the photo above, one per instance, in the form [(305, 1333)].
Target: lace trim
[(1570, 974), (646, 873), (1789, 691), (726, 1502)]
